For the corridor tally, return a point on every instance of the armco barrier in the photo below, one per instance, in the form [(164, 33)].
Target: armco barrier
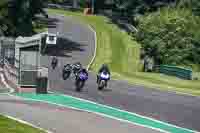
[(176, 71)]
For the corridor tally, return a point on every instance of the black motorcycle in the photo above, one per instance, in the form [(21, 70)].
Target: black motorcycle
[(80, 81), (66, 71), (76, 68)]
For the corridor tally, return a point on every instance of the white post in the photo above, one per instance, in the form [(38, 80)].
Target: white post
[(92, 6), (39, 63), (75, 4)]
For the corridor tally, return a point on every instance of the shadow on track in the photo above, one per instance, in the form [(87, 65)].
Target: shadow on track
[(63, 48), (48, 22)]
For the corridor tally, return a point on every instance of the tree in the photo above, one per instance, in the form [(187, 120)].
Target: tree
[(140, 6), (21, 14), (171, 36), (194, 5)]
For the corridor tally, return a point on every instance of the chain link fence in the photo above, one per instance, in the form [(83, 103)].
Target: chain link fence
[(7, 49)]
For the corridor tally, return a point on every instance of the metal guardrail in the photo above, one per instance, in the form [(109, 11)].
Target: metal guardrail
[(129, 28), (176, 71)]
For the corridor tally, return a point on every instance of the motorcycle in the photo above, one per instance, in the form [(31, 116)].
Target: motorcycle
[(54, 62), (103, 78), (80, 81), (76, 68), (66, 71)]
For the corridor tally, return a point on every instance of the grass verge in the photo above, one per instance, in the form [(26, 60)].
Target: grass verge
[(39, 26), (10, 126), (113, 46), (121, 53)]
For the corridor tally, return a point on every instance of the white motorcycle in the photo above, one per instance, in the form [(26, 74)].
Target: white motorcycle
[(103, 78)]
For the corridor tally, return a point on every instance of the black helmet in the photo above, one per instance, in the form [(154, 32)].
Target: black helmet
[(54, 59), (84, 70), (105, 65), (78, 64)]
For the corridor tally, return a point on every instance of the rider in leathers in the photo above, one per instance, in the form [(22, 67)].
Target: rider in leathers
[(104, 68)]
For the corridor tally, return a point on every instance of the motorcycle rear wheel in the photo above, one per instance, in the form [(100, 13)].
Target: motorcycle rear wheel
[(79, 85)]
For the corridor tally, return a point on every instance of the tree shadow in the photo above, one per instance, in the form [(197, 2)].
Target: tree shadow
[(49, 22), (63, 47)]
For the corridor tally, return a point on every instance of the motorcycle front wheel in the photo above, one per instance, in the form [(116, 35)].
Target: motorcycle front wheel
[(101, 85), (66, 75)]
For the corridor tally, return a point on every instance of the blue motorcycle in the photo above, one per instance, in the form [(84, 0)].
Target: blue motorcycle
[(102, 83), (80, 81)]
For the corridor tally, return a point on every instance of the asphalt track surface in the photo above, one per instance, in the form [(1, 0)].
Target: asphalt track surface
[(169, 107), (61, 119)]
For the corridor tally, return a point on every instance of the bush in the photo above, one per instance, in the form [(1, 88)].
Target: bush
[(171, 36)]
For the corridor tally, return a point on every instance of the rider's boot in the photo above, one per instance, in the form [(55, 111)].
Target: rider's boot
[(97, 79)]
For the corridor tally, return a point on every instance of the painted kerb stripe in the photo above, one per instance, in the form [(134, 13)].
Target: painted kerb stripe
[(69, 101)]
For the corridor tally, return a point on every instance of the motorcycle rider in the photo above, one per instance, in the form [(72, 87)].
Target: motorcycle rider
[(81, 78), (104, 68), (77, 67), (83, 70), (67, 69), (54, 62)]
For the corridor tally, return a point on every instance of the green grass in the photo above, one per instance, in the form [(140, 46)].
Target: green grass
[(40, 30), (121, 52), (162, 82), (114, 47), (11, 126), (39, 27)]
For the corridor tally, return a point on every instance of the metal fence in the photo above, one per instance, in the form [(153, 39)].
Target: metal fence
[(20, 60), (28, 68), (7, 49)]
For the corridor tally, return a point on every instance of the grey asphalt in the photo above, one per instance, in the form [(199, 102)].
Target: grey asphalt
[(169, 107), (59, 119), (63, 120), (75, 42)]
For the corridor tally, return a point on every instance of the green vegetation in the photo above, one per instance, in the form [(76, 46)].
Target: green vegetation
[(132, 8), (163, 82), (18, 16), (40, 26), (116, 48), (11, 126), (168, 31), (114, 45), (171, 36)]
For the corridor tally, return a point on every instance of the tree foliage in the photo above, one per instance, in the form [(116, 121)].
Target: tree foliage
[(133, 7), (18, 15), (171, 36), (194, 5)]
